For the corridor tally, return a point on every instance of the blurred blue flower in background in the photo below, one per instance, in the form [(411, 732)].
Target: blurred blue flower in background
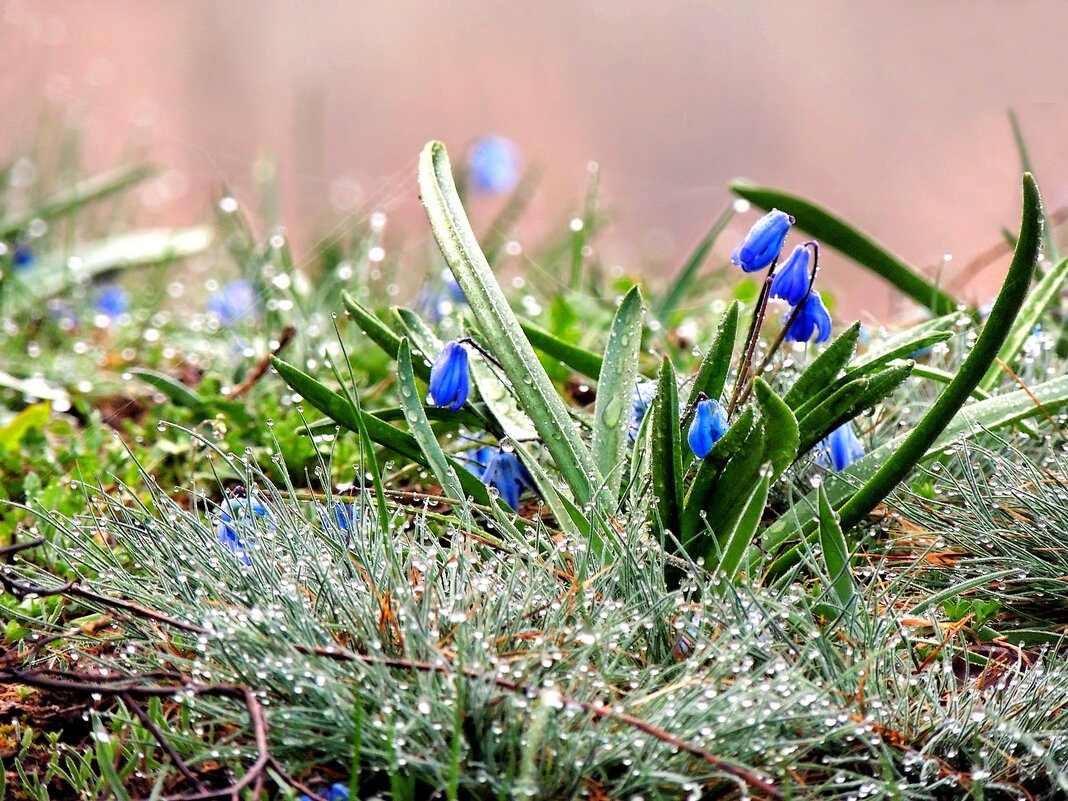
[(336, 792), (344, 514), (812, 318), (450, 382), (500, 469), (493, 164), (235, 519), (709, 424), (764, 241), (234, 302), (23, 257), (113, 301), (840, 448), (641, 398), (791, 281)]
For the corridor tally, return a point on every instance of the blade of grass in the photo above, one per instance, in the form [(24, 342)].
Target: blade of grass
[(673, 295)]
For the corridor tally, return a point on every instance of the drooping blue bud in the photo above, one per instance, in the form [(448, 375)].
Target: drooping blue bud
[(709, 424), (235, 521), (641, 399), (493, 164), (764, 241), (501, 469), (113, 301), (812, 318), (449, 379), (791, 280), (840, 448)]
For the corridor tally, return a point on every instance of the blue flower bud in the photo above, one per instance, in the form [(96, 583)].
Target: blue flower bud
[(840, 448), (493, 164), (641, 399), (501, 469), (812, 318), (449, 379), (343, 514), (112, 301), (23, 257), (709, 424), (791, 280), (764, 241), (234, 521)]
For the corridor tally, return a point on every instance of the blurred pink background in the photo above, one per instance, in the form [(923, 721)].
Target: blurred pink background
[(894, 114)]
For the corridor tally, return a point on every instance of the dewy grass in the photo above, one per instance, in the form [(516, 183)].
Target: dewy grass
[(237, 598)]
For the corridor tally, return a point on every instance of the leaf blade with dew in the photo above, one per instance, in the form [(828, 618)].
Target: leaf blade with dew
[(1048, 240), (676, 291), (665, 454), (835, 554), (825, 368), (716, 364), (380, 333), (1041, 297), (33, 417), (578, 359), (780, 426), (499, 325), (615, 385), (830, 229), (419, 427), (906, 343), (177, 393), (738, 540), (69, 201)]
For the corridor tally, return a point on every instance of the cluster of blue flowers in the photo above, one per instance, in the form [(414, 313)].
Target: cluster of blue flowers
[(792, 282)]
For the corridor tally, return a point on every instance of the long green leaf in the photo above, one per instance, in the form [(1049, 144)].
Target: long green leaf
[(830, 229), (673, 295), (783, 437), (666, 451), (177, 393), (615, 385), (716, 364), (835, 553), (579, 359), (499, 325), (906, 343), (1038, 301), (739, 539), (380, 333), (825, 368), (1009, 301)]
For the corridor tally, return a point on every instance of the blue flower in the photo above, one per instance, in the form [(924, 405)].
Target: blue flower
[(112, 301), (709, 424), (493, 164), (233, 302), (234, 520), (449, 379), (791, 280), (23, 258), (344, 513), (811, 318), (840, 448), (764, 241), (336, 792), (641, 399), (501, 469)]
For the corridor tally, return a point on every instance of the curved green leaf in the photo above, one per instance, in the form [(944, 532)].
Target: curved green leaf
[(825, 368), (666, 450), (673, 295), (578, 359), (780, 426)]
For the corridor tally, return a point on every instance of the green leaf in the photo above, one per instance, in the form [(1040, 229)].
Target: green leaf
[(835, 553), (578, 359), (30, 418), (177, 393), (1034, 308), (420, 428), (738, 540), (830, 229), (499, 326), (615, 386), (905, 344), (725, 504), (666, 450), (71, 200), (380, 333), (780, 427), (825, 368), (674, 294), (716, 364)]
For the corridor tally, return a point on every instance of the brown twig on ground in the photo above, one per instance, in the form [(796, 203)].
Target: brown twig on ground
[(260, 370)]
